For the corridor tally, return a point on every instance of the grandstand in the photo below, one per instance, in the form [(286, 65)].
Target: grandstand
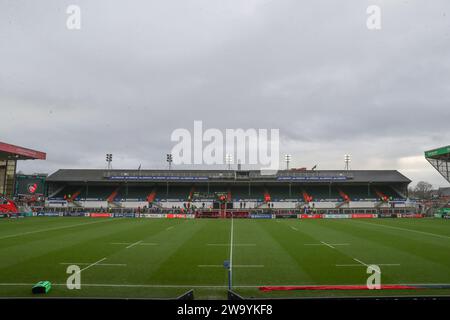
[(287, 189), (440, 159)]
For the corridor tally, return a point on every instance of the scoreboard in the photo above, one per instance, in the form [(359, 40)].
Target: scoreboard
[(30, 185)]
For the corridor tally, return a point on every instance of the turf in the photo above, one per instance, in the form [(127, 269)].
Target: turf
[(163, 258)]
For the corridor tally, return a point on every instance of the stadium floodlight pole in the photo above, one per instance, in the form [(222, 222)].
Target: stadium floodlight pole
[(169, 159), (287, 158), (109, 160), (229, 160), (347, 161)]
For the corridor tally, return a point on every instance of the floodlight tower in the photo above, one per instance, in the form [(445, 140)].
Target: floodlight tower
[(109, 160), (169, 160), (287, 158), (347, 159)]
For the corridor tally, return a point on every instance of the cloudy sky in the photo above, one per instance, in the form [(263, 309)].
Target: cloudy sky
[(137, 70)]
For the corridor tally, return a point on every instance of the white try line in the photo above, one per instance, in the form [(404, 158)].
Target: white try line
[(51, 229), (323, 243), (404, 229), (235, 244), (170, 227), (235, 266), (294, 228), (98, 264)]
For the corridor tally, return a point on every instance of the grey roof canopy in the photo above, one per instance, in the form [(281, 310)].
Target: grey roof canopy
[(107, 176)]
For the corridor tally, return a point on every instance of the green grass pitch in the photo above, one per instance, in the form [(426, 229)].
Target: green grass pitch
[(162, 258)]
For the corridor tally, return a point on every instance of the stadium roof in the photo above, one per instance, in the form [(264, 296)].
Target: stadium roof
[(12, 152), (439, 153), (351, 176)]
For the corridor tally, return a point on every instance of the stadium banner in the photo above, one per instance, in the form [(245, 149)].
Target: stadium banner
[(286, 216), (309, 216), (387, 215), (261, 216), (152, 215), (124, 215), (176, 216), (447, 216), (49, 214), (100, 215), (409, 215), (3, 215), (159, 178), (336, 216), (312, 178), (73, 214), (364, 215)]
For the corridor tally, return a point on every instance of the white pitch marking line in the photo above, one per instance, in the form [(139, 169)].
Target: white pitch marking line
[(328, 245), (378, 264), (235, 266), (98, 264), (133, 244), (50, 229), (235, 244), (92, 264), (365, 264), (140, 244), (332, 245), (169, 228), (405, 229), (294, 228)]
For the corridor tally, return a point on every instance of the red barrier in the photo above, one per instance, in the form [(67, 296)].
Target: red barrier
[(310, 216), (100, 215), (337, 287), (410, 215), (176, 216)]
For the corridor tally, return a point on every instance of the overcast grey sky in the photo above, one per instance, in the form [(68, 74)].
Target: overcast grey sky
[(137, 70)]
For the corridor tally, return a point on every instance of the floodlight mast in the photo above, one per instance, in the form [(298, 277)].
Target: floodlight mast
[(287, 158), (347, 159), (109, 160), (169, 160)]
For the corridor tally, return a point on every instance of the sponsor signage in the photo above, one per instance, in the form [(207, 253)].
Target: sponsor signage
[(283, 216), (387, 215), (410, 215), (176, 216), (100, 215), (309, 216), (124, 215), (364, 215), (49, 214), (312, 178), (159, 178), (74, 214), (150, 215), (437, 152), (261, 216), (336, 216)]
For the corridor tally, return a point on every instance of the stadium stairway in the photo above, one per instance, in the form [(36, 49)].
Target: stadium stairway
[(345, 198)]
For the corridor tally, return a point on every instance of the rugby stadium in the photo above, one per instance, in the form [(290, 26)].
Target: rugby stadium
[(222, 234)]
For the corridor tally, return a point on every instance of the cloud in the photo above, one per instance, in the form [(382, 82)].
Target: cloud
[(137, 71)]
